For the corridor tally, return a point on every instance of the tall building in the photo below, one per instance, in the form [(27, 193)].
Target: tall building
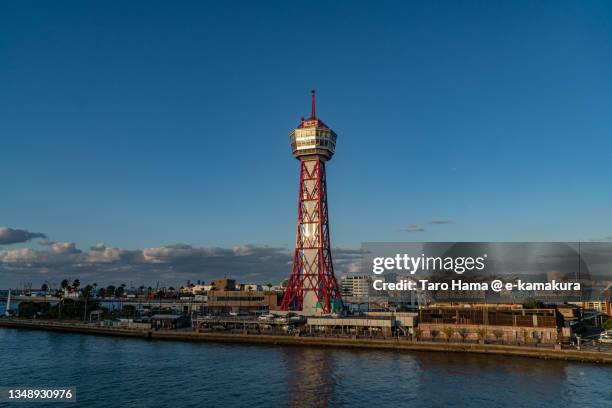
[(356, 286), (312, 287)]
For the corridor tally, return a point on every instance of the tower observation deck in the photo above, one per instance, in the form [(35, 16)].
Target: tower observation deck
[(312, 287)]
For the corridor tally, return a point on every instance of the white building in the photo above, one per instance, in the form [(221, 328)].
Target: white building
[(199, 289), (356, 286), (251, 287)]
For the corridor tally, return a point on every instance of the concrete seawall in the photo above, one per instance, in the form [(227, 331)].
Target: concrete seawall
[(390, 344)]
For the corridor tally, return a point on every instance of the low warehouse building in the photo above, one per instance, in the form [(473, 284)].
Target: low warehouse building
[(168, 321), (504, 325), (382, 325)]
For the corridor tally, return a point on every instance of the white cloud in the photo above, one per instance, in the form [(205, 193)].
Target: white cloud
[(175, 263), (64, 248)]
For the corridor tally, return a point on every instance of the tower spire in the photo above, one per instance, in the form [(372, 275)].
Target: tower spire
[(313, 113)]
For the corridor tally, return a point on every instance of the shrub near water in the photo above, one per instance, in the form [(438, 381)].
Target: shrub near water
[(72, 309), (31, 309)]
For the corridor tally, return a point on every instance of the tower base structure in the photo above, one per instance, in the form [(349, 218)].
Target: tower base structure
[(312, 288)]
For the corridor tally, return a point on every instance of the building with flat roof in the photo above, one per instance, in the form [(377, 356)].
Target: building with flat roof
[(235, 301), (355, 286), (486, 323), (358, 325), (224, 284)]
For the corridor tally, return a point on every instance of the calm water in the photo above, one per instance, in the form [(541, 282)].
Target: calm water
[(137, 373)]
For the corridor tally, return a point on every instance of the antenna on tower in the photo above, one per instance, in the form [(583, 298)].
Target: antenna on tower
[(313, 113)]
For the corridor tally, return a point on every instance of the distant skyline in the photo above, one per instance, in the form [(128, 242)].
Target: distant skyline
[(148, 140)]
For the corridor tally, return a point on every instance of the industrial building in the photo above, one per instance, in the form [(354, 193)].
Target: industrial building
[(376, 323)]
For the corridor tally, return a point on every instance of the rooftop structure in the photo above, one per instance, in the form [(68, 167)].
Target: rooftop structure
[(313, 139)]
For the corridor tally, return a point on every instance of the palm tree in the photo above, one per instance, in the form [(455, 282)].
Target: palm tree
[(65, 284), (463, 332), (448, 332), (482, 334), (76, 283), (60, 295), (434, 333), (85, 293)]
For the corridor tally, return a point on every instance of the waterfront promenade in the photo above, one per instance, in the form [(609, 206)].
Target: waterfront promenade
[(604, 357)]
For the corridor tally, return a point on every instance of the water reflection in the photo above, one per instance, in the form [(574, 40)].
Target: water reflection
[(309, 376), (470, 380)]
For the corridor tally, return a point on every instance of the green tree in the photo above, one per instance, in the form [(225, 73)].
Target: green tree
[(448, 332), (60, 294), (44, 287), (129, 310), (608, 324), (33, 309), (119, 292), (65, 284), (76, 283), (533, 304), (86, 294), (560, 337), (482, 334), (463, 332), (434, 333)]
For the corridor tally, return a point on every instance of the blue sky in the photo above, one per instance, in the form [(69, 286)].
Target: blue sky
[(143, 124)]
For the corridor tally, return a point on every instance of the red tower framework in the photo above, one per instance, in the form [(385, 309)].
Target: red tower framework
[(312, 287)]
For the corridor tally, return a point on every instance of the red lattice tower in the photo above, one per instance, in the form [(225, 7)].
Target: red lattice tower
[(312, 287)]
